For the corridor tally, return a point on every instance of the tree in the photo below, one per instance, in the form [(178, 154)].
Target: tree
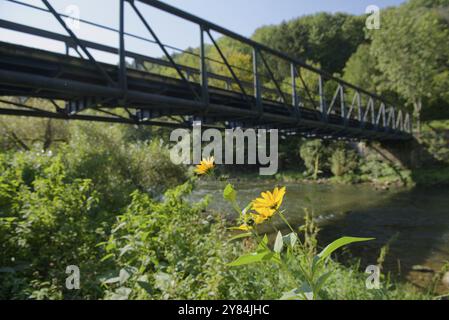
[(428, 3), (311, 152), (361, 69), (325, 39), (412, 52)]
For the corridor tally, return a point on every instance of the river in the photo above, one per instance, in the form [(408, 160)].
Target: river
[(416, 219)]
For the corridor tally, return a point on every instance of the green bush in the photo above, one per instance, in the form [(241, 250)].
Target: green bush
[(55, 208), (47, 222), (343, 161), (118, 166), (374, 169), (313, 153)]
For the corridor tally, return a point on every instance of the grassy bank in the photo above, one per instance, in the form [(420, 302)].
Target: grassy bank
[(141, 246)]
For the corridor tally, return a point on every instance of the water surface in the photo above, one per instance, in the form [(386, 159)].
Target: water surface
[(417, 219)]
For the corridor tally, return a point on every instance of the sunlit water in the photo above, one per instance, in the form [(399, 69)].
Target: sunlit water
[(419, 218)]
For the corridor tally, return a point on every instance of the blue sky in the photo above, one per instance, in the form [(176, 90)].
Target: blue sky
[(241, 16)]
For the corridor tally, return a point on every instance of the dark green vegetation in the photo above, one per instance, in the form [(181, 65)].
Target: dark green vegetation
[(107, 198), (128, 240)]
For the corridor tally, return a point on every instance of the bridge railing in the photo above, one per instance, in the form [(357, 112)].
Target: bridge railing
[(335, 100)]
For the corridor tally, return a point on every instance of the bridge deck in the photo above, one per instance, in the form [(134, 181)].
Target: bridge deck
[(32, 72)]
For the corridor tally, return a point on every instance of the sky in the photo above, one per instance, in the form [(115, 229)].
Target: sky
[(241, 16)]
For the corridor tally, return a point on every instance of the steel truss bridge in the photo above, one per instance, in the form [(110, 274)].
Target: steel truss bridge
[(78, 86)]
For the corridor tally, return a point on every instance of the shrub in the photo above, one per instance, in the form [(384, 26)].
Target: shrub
[(118, 166), (312, 153), (46, 223), (343, 161)]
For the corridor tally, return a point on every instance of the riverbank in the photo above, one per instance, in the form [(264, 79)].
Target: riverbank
[(426, 178), (422, 177)]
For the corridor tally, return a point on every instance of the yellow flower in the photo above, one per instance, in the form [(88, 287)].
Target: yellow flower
[(205, 166), (269, 203), (245, 227), (258, 218)]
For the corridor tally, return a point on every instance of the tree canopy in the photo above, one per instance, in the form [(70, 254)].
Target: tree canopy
[(412, 53)]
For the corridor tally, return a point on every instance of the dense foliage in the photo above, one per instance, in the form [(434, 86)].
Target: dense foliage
[(153, 247), (55, 206)]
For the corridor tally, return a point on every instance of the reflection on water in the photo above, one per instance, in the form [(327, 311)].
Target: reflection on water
[(419, 217)]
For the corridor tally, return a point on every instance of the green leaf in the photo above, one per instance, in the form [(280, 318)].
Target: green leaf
[(146, 286), (162, 281), (112, 280), (121, 225), (321, 281), (274, 257), (106, 257), (110, 246), (303, 293), (306, 291), (250, 258), (101, 244), (125, 249), (240, 236), (229, 193), (247, 208), (263, 245), (291, 295), (279, 243), (315, 263), (121, 293), (338, 244), (124, 275)]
